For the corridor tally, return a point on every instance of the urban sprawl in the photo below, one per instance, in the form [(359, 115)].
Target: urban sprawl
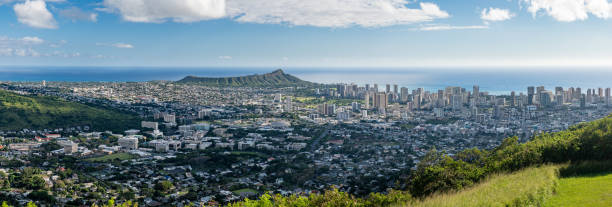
[(216, 145)]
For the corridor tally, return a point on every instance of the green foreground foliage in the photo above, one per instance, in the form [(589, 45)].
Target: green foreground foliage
[(441, 173), (44, 112), (331, 198)]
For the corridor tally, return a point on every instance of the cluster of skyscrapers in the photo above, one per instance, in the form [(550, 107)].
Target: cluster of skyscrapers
[(457, 97)]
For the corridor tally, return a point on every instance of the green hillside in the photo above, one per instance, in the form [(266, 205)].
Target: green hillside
[(276, 78), (529, 187), (586, 190), (43, 112)]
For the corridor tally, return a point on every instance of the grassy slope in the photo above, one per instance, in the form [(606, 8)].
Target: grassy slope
[(523, 188), (594, 190), (42, 112)]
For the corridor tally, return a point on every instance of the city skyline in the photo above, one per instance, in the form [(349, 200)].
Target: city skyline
[(228, 33)]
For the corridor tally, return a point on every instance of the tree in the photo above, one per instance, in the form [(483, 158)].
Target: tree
[(163, 187)]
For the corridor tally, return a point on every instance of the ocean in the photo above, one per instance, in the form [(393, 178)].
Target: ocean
[(494, 80)]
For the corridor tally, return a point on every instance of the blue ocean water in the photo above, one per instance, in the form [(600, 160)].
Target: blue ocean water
[(495, 80)]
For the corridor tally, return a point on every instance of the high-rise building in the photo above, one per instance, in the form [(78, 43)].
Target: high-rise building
[(366, 101), (375, 89), (476, 93), (607, 97), (589, 97), (530, 95), (388, 88), (404, 94), (545, 98), (395, 89), (558, 90), (539, 91), (380, 101), (367, 87)]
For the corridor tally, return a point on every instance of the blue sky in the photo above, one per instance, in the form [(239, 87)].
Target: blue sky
[(313, 33)]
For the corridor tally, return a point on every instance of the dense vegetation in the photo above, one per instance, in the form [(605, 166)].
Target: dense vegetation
[(44, 112), (438, 173), (274, 79)]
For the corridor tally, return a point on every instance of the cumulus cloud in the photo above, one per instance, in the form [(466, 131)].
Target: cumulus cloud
[(77, 14), (333, 13), (319, 13), (35, 14), (570, 10), (225, 57), (495, 14), (451, 27), (157, 11)]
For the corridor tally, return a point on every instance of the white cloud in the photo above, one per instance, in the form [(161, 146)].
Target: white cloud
[(495, 14), (19, 46), (450, 27), (570, 10), (319, 13), (157, 11), (35, 14), (225, 57), (2, 2), (32, 40), (77, 14), (6, 51), (26, 52), (333, 13), (123, 45), (117, 45)]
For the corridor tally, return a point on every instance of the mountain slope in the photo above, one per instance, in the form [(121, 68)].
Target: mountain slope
[(43, 112), (277, 78)]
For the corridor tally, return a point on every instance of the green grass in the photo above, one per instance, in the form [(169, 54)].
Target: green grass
[(111, 157), (528, 187), (587, 190), (246, 191)]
